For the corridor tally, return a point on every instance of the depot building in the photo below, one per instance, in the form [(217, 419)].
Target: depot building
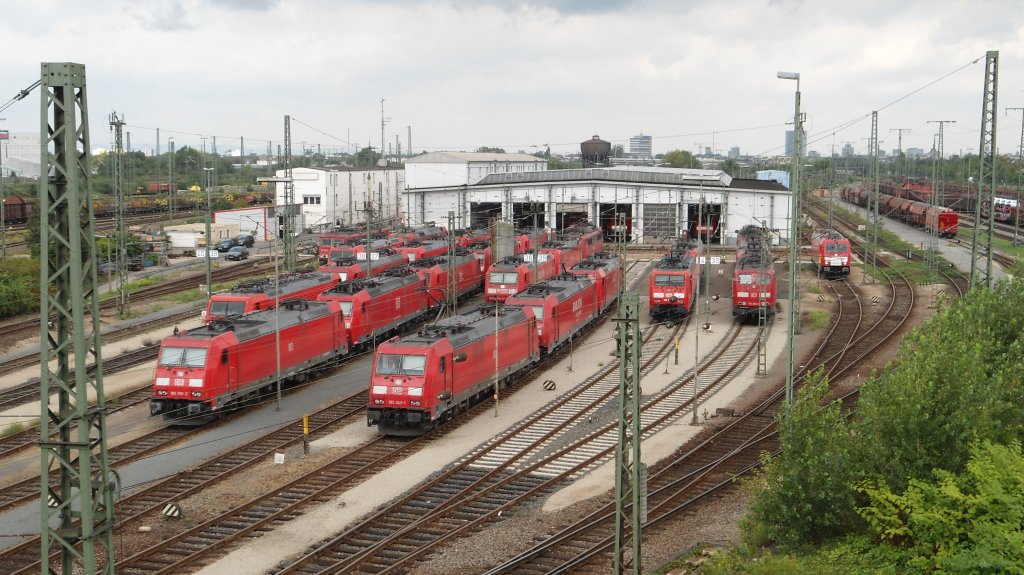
[(650, 204), (653, 204)]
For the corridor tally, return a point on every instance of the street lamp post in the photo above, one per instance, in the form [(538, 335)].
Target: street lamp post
[(793, 235), (171, 186), (209, 216), (3, 197)]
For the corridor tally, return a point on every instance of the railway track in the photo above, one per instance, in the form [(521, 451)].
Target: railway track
[(29, 438), (524, 463), (708, 470), (137, 506), (28, 327), (24, 558)]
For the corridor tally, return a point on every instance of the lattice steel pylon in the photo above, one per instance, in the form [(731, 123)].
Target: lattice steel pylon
[(628, 465), (286, 232), (938, 184), (874, 218), (762, 305), (452, 289), (981, 249), (78, 510), (121, 201), (620, 244)]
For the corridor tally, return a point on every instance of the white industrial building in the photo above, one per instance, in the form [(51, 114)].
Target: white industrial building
[(328, 197), (656, 204)]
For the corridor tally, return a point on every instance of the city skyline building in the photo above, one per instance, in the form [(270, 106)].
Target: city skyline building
[(641, 146)]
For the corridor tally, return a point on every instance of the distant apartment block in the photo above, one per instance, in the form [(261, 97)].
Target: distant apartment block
[(640, 146), (734, 152)]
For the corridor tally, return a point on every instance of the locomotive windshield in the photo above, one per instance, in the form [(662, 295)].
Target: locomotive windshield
[(226, 308), (504, 278), (395, 364), (346, 308), (669, 280), (183, 357), (746, 279), (538, 312), (835, 247)]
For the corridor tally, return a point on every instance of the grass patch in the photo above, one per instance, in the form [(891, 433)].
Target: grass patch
[(854, 555), (817, 319), (190, 296), (13, 429)]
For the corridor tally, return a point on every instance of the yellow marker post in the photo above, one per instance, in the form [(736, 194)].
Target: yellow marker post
[(305, 434)]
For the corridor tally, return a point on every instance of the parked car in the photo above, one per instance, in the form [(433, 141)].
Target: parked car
[(226, 244), (246, 240), (238, 253), (106, 267)]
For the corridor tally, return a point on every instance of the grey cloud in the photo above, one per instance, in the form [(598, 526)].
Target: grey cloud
[(167, 16), (250, 5)]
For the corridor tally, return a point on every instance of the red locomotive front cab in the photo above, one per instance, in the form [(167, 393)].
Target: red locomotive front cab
[(189, 373), (753, 288), (673, 283), (228, 362), (508, 277), (832, 253)]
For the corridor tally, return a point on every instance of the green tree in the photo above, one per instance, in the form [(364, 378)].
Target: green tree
[(957, 381), (680, 159), (19, 286), (801, 497), (487, 150), (963, 523), (367, 157), (731, 167)]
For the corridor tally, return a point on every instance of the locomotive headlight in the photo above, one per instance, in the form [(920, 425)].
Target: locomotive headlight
[(197, 394)]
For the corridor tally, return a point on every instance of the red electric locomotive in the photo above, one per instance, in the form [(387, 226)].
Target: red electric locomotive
[(607, 272), (377, 307), (753, 280), (264, 293), (675, 280), (342, 237), (528, 238), (221, 365), (473, 236), (349, 268), (434, 273), (419, 381), (564, 252), (415, 249), (481, 251), (359, 246), (591, 238), (511, 275), (562, 305), (422, 233), (831, 253)]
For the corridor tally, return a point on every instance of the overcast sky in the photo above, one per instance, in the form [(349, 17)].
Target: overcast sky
[(514, 75)]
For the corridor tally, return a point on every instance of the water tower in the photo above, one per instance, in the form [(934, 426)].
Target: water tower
[(595, 152)]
